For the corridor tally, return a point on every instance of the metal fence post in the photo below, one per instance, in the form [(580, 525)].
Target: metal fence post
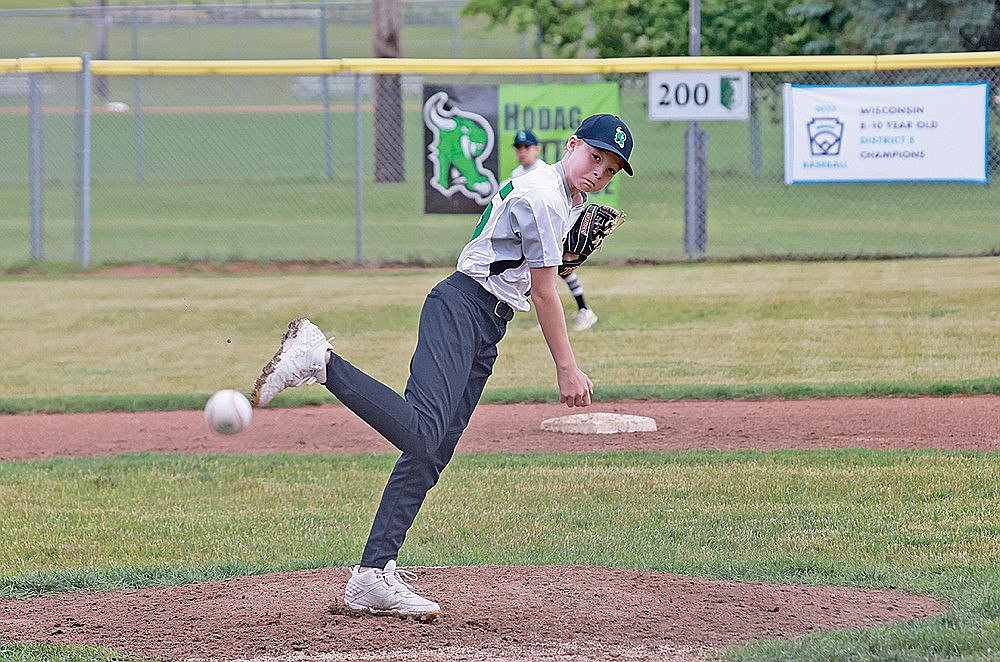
[(83, 167), (755, 154), (359, 170), (695, 159), (35, 161), (140, 133), (695, 191)]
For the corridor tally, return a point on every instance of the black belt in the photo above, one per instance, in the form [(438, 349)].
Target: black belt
[(469, 285)]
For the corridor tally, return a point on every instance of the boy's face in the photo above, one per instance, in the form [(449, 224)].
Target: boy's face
[(588, 168), (527, 154)]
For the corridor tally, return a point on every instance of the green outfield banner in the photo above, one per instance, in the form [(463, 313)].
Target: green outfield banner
[(553, 113), (469, 134)]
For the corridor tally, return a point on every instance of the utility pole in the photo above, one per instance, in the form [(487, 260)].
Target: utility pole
[(387, 93), (101, 46)]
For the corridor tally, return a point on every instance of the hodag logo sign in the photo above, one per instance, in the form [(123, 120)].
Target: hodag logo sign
[(469, 131), (460, 170)]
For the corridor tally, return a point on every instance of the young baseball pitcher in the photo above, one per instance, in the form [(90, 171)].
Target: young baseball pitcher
[(528, 154), (516, 253)]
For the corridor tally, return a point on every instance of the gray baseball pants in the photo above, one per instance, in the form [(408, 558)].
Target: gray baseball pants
[(460, 326)]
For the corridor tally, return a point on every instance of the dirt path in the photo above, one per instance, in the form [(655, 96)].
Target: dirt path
[(968, 423), (567, 613)]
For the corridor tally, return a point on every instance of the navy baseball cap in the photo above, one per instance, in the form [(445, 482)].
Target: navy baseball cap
[(608, 132), (525, 138)]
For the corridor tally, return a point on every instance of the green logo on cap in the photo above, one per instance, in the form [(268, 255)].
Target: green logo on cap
[(620, 137)]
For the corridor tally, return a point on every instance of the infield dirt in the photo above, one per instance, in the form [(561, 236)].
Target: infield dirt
[(569, 613)]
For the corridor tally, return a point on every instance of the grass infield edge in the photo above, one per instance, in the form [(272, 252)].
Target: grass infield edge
[(78, 404)]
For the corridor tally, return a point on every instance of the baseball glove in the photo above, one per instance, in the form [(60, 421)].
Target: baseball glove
[(594, 224)]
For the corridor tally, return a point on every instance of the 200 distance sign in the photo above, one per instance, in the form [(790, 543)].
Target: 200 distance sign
[(693, 96)]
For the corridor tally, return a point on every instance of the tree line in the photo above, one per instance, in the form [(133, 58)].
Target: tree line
[(642, 28)]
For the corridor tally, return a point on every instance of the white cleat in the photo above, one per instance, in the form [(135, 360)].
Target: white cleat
[(385, 593), (300, 360), (585, 318)]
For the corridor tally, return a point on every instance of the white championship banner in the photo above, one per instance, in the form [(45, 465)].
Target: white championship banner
[(895, 133)]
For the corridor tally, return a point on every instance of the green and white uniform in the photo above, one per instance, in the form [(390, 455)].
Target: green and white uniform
[(522, 229)]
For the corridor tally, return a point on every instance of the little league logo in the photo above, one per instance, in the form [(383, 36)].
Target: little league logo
[(825, 134), (461, 143)]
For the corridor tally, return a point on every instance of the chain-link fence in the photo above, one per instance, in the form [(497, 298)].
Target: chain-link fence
[(285, 167), (220, 31)]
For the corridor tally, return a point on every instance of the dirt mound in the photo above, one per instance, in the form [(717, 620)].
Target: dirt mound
[(488, 613)]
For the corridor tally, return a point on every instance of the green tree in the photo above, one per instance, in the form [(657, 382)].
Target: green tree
[(754, 27), (632, 28), (822, 24), (903, 26), (559, 24), (637, 28)]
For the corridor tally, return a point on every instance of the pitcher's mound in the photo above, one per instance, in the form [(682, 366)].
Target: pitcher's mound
[(567, 613), (599, 423)]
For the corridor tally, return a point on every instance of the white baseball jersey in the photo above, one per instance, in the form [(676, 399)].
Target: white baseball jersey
[(522, 228), (520, 169)]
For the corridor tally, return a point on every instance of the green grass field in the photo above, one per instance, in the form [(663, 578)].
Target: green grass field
[(677, 329), (910, 520), (915, 520)]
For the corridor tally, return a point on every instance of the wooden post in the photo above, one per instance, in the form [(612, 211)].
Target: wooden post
[(387, 93), (101, 47)]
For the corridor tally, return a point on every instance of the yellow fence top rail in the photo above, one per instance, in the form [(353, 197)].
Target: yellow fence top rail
[(501, 66), (49, 65), (211, 67)]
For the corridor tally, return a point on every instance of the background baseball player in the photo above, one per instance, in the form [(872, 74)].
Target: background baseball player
[(515, 254), (528, 153)]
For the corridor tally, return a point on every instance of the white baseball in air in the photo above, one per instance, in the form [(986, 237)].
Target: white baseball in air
[(228, 411)]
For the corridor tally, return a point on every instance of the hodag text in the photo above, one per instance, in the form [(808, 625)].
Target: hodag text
[(516, 117)]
